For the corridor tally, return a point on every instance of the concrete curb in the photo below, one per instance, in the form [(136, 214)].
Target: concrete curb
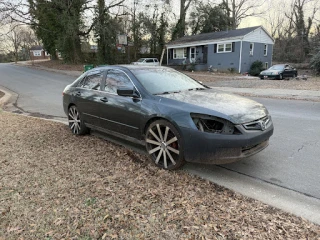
[(287, 200), (65, 72), (8, 99)]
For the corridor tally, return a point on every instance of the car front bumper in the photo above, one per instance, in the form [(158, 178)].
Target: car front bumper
[(269, 76), (220, 149)]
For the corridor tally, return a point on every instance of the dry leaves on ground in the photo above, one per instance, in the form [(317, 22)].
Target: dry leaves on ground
[(60, 65), (54, 185)]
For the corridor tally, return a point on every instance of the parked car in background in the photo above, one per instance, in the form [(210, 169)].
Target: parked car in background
[(147, 62), (279, 71), (175, 117)]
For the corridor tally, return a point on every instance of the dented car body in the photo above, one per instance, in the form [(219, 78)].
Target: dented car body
[(177, 118)]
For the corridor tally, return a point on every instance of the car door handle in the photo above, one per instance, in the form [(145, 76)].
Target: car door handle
[(104, 99)]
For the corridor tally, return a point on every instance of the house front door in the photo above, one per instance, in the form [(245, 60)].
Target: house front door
[(192, 54), (205, 54)]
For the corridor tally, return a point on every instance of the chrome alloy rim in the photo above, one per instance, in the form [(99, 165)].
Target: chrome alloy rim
[(74, 120), (163, 145)]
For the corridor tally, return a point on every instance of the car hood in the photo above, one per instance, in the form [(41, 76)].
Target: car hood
[(237, 109)]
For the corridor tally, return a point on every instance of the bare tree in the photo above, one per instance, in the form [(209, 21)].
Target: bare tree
[(15, 39), (180, 27), (238, 10)]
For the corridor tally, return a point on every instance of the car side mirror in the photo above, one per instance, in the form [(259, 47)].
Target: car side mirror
[(127, 92)]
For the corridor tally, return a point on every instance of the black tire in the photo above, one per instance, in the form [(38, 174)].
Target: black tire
[(166, 154), (280, 76), (75, 121), (294, 75)]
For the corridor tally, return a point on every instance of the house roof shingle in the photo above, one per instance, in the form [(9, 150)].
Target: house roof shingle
[(36, 48), (214, 35)]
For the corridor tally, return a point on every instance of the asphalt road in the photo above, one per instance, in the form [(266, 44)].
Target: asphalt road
[(292, 160), (40, 92)]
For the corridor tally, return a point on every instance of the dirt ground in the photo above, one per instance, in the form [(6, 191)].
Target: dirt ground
[(54, 185), (60, 65), (305, 81)]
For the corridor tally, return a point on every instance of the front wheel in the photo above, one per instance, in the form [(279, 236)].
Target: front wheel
[(76, 124), (164, 145)]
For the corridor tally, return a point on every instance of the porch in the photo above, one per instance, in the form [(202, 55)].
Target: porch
[(195, 55)]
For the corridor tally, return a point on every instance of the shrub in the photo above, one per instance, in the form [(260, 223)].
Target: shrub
[(232, 70), (256, 68), (315, 62)]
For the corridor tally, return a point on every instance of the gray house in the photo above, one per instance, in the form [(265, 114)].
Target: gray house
[(224, 50)]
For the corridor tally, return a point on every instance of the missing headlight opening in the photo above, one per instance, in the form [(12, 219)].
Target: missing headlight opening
[(212, 124)]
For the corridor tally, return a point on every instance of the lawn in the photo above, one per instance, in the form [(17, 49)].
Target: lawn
[(54, 185)]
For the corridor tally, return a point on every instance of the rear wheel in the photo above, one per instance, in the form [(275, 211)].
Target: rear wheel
[(164, 145), (280, 76), (76, 124)]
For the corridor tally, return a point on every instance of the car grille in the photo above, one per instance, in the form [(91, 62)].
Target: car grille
[(260, 124)]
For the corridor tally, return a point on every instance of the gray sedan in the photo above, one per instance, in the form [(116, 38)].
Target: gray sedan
[(175, 117)]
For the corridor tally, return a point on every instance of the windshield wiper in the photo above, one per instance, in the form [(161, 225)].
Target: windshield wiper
[(162, 93), (191, 89)]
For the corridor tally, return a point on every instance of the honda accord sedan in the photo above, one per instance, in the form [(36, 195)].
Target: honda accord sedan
[(175, 117), (279, 71)]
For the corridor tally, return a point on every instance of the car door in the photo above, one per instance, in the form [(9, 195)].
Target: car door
[(288, 71), (118, 113), (87, 97)]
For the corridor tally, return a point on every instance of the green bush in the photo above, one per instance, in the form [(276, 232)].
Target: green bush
[(256, 68), (315, 63)]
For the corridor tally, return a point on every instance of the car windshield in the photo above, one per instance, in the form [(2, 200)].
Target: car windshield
[(276, 67), (141, 60), (163, 80)]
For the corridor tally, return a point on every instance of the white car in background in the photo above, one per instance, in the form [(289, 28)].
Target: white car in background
[(147, 61)]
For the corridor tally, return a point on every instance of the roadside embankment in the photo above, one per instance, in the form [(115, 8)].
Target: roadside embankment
[(56, 185)]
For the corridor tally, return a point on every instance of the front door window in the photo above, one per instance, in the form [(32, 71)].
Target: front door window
[(192, 54)]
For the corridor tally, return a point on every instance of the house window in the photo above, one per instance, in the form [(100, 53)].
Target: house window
[(179, 53), (224, 47), (37, 53), (265, 51), (266, 65), (251, 49)]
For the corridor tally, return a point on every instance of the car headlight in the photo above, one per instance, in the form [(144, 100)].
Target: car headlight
[(212, 124)]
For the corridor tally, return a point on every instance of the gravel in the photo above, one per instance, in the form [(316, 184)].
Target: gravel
[(240, 81), (54, 185), (305, 81)]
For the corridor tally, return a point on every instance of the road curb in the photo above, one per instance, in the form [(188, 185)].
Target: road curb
[(8, 99), (287, 200), (65, 72)]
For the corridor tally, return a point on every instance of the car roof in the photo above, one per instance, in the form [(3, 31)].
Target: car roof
[(130, 67)]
